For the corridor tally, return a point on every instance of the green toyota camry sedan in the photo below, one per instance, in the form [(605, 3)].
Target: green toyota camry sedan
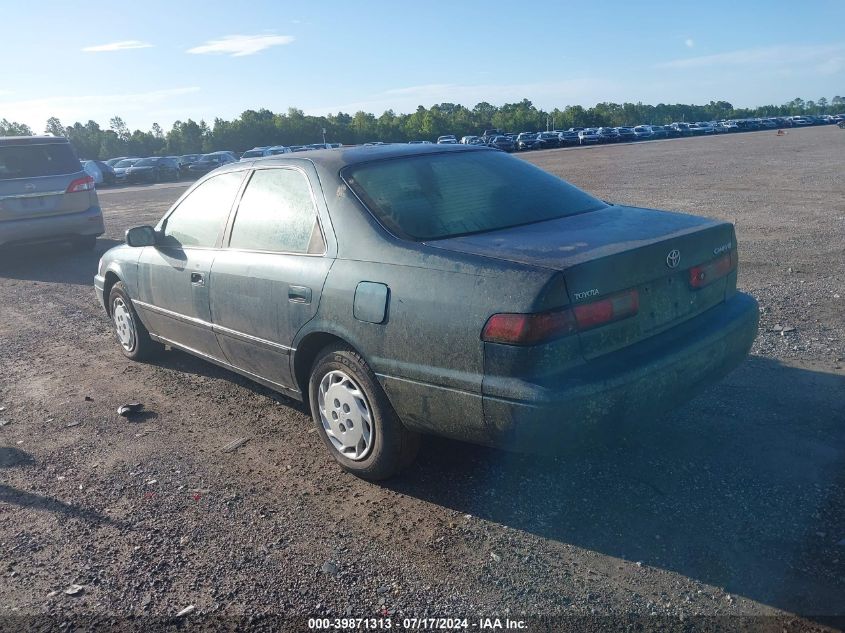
[(452, 290)]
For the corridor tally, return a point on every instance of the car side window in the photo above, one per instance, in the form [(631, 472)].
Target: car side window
[(201, 216), (277, 213)]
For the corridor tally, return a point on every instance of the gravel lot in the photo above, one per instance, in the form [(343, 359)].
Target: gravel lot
[(734, 505)]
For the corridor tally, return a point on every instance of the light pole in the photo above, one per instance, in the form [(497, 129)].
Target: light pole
[(324, 136)]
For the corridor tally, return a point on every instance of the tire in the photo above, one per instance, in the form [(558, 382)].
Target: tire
[(84, 243), (133, 337), (353, 391)]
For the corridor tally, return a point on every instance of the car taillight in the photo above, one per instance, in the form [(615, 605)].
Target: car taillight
[(530, 329), (705, 274), (86, 183)]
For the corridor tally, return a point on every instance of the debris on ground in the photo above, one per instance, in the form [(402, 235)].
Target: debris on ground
[(231, 446), (74, 590), (186, 611), (128, 409), (329, 568)]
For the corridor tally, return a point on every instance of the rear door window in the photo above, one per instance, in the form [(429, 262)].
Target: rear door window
[(32, 161), (199, 219), (277, 213)]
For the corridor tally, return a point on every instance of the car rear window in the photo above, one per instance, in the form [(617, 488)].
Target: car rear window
[(31, 161), (437, 196)]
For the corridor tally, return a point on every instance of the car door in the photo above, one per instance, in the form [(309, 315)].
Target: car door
[(267, 280), (173, 275)]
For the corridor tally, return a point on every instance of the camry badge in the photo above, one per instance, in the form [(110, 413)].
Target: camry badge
[(673, 258)]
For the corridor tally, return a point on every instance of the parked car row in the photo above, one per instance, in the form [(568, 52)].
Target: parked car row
[(275, 150), (135, 169), (523, 141), (130, 169)]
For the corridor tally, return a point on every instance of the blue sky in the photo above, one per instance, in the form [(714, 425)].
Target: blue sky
[(159, 61)]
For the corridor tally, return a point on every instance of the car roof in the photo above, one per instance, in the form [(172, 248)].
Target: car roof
[(32, 140), (338, 158)]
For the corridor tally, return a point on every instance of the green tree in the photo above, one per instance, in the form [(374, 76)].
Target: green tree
[(87, 139), (11, 128), (110, 145), (482, 114), (120, 128), (54, 127)]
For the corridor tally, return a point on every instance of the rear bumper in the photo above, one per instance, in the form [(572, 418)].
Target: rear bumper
[(637, 383), (53, 228)]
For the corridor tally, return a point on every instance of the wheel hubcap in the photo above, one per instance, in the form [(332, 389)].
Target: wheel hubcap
[(345, 415), (123, 324)]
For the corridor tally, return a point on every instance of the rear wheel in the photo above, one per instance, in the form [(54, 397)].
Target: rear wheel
[(134, 339), (355, 419)]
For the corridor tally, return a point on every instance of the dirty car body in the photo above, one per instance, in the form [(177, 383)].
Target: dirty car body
[(486, 314)]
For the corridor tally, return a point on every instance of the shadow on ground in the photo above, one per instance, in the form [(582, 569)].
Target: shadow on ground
[(753, 502), (11, 457), (55, 263), (183, 362)]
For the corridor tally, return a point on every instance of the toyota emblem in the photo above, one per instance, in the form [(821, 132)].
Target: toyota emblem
[(673, 258)]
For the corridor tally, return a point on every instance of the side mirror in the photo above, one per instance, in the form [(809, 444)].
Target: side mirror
[(141, 236)]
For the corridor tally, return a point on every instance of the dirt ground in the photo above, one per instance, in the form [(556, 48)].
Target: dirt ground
[(732, 506)]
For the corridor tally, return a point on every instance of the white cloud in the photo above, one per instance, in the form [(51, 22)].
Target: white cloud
[(117, 46), (241, 45), (689, 42), (764, 56), (70, 109), (831, 66)]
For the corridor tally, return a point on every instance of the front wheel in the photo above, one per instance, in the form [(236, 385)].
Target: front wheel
[(355, 419), (134, 339)]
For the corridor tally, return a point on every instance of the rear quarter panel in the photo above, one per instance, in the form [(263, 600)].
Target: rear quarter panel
[(427, 353)]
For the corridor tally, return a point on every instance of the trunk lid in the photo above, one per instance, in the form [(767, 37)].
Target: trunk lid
[(618, 248), (34, 178)]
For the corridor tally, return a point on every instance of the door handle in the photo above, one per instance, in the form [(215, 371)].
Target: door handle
[(197, 279), (299, 294)]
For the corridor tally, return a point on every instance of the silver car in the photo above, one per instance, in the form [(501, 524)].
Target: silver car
[(45, 194)]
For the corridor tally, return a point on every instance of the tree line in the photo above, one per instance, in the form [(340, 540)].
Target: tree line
[(264, 127)]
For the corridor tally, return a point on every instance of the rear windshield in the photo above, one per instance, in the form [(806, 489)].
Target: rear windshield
[(445, 195), (31, 161)]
